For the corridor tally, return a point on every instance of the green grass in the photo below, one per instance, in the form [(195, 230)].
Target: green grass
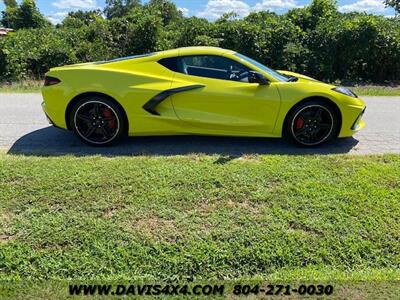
[(376, 90), (331, 218), (27, 86)]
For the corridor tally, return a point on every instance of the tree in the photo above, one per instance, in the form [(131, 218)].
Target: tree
[(25, 15), (137, 32), (168, 10), (321, 10), (307, 18), (9, 15), (10, 3), (300, 16), (80, 18), (119, 8), (393, 3)]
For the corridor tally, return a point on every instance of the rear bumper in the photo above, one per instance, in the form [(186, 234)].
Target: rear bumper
[(47, 116), (54, 105), (45, 113)]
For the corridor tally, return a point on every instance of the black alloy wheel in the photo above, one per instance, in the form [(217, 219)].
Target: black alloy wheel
[(97, 121), (312, 123)]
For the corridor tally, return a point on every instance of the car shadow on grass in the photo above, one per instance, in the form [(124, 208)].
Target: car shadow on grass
[(51, 141)]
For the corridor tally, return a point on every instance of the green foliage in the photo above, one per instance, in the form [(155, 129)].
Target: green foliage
[(356, 47), (119, 8), (166, 9), (393, 3), (25, 15), (94, 41), (136, 33), (321, 11), (315, 40), (188, 29), (80, 18), (10, 3), (30, 53)]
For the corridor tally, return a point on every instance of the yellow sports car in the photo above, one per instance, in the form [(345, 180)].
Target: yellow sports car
[(196, 90)]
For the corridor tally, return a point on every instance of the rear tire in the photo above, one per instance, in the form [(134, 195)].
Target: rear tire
[(312, 123), (97, 121)]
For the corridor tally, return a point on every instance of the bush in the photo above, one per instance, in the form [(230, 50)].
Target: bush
[(316, 40), (30, 53), (135, 34), (355, 48)]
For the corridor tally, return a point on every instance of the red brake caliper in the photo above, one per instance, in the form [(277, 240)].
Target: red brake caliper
[(107, 113), (299, 123)]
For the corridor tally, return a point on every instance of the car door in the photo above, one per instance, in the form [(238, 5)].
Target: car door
[(223, 100)]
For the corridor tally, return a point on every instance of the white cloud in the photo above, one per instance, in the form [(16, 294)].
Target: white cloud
[(75, 4), (371, 6), (57, 17), (275, 4), (66, 6), (184, 11), (216, 8)]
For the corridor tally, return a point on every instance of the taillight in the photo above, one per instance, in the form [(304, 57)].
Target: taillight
[(51, 81)]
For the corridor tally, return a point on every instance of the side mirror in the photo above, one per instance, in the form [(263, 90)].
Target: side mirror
[(255, 77)]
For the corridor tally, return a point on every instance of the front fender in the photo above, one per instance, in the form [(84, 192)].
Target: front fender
[(292, 93)]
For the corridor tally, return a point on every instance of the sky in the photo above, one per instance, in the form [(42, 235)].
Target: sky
[(55, 10)]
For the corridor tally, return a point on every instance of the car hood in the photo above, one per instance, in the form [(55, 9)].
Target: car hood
[(306, 79), (289, 73)]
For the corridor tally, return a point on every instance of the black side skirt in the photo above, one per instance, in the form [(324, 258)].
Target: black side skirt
[(157, 99)]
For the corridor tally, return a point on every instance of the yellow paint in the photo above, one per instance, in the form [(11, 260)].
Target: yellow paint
[(222, 107)]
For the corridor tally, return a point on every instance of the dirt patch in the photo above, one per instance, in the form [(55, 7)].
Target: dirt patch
[(207, 208), (250, 158), (305, 228), (5, 237), (6, 218), (109, 212), (156, 228), (251, 207)]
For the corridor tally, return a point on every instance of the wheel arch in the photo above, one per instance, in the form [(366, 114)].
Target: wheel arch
[(92, 94), (328, 101)]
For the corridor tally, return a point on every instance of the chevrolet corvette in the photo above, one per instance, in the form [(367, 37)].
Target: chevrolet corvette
[(196, 90)]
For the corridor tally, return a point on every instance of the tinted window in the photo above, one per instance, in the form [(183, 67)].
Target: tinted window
[(212, 66), (270, 71), (170, 63)]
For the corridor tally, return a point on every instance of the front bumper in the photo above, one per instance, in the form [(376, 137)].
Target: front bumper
[(352, 120), (358, 123)]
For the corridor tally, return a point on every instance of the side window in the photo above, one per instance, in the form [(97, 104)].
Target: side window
[(170, 63), (212, 66)]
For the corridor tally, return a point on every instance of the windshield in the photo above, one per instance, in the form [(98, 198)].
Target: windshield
[(271, 72)]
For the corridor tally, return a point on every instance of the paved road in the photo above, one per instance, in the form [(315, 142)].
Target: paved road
[(24, 129)]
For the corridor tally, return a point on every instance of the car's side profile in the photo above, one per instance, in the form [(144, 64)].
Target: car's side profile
[(196, 90)]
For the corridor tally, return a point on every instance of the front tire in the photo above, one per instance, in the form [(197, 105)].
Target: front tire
[(312, 123), (97, 121)]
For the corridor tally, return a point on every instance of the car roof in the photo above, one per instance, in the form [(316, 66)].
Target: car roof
[(197, 50), (155, 56)]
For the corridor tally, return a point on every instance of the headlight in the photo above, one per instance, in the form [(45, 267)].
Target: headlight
[(345, 91)]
